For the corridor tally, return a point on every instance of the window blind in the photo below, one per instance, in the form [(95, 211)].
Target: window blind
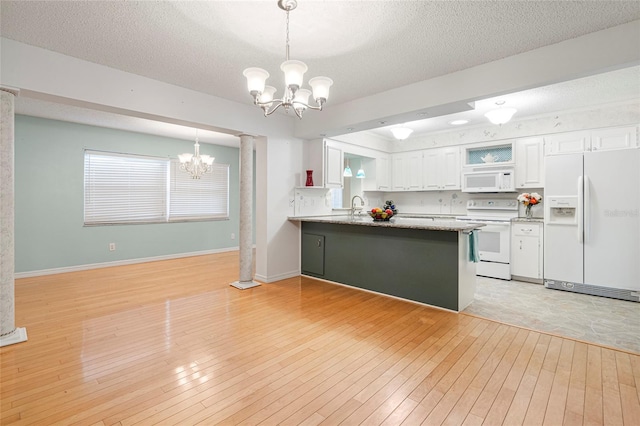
[(204, 198), (124, 188)]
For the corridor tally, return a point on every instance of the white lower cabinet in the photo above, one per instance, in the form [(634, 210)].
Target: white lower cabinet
[(526, 250)]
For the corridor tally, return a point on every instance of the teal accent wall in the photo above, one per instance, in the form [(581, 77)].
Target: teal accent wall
[(49, 199)]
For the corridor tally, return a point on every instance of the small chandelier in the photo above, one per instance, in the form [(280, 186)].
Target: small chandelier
[(294, 97), (501, 115), (196, 165)]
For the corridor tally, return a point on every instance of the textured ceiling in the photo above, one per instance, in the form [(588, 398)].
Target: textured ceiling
[(365, 46)]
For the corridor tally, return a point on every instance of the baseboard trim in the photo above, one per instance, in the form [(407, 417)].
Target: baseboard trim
[(279, 277), (88, 266)]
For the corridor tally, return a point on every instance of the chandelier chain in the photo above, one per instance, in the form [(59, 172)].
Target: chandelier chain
[(287, 52)]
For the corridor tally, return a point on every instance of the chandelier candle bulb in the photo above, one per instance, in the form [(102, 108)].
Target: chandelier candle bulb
[(267, 96), (320, 87), (256, 79), (293, 73)]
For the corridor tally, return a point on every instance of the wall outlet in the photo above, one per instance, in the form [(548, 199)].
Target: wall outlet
[(112, 246), (233, 236)]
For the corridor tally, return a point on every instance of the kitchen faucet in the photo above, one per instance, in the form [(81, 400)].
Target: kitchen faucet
[(353, 205)]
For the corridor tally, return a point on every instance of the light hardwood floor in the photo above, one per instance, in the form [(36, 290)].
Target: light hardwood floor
[(172, 343)]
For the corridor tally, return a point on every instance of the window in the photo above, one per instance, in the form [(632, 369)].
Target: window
[(204, 198), (123, 188)]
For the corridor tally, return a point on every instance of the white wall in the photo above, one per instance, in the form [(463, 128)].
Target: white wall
[(278, 166)]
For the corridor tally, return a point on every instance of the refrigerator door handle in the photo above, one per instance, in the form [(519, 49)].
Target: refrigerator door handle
[(586, 206), (580, 207)]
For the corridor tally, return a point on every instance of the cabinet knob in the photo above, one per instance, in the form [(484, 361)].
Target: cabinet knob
[(319, 243)]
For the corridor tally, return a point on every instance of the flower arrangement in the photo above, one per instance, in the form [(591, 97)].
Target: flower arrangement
[(529, 200)]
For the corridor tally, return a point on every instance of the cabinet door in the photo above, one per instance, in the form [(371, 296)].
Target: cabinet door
[(413, 179), (450, 174), (567, 143), (430, 170), (398, 165), (615, 138), (313, 254), (525, 257), (529, 163), (334, 167), (382, 173), (526, 250)]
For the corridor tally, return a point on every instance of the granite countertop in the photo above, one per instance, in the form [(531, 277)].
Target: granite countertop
[(524, 219), (425, 222)]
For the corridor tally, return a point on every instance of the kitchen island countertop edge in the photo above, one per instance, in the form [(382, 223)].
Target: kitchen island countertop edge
[(431, 224)]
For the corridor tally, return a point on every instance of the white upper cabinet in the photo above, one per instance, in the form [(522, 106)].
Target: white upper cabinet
[(326, 160), (567, 143), (614, 138), (333, 167), (383, 181), (529, 163), (441, 169), (591, 140), (407, 171)]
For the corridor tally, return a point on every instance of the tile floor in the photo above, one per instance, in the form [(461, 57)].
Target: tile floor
[(610, 322)]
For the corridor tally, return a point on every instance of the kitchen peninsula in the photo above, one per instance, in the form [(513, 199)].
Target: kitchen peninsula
[(423, 259)]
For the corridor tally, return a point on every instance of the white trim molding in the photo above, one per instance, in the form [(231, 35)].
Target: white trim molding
[(85, 267)]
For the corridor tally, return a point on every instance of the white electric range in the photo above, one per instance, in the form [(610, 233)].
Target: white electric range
[(494, 239)]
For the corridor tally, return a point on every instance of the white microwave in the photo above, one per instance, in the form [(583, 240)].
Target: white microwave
[(494, 179)]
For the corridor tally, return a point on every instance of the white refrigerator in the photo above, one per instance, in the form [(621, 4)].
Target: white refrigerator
[(592, 223)]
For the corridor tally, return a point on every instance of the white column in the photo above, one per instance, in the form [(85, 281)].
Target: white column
[(9, 334), (246, 214)]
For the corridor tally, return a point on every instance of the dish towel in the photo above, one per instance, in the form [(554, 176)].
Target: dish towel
[(474, 256)]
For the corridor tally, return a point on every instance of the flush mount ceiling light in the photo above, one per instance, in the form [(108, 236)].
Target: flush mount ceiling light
[(500, 115), (401, 133), (196, 165), (294, 97)]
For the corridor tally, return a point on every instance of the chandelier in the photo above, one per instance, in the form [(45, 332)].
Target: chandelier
[(294, 97), (196, 165)]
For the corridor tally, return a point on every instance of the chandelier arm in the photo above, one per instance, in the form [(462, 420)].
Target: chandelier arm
[(278, 101), (316, 108), (278, 105)]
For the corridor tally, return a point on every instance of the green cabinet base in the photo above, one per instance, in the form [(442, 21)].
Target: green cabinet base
[(414, 264)]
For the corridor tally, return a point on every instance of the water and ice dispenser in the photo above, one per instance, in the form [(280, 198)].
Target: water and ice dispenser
[(562, 210)]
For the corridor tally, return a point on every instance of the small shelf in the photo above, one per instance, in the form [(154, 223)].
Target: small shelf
[(311, 187)]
